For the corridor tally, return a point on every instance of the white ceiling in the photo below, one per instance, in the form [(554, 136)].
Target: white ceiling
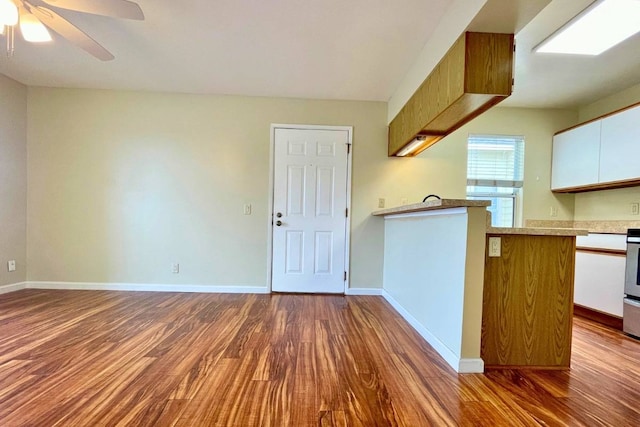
[(567, 81), (328, 49)]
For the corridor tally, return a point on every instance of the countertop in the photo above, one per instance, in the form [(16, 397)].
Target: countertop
[(601, 226), (436, 204), (535, 231), (431, 205)]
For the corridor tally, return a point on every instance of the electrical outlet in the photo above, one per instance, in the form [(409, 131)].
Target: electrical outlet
[(247, 209), (11, 265), (494, 246), (553, 211), (175, 268), (635, 208), (381, 203)]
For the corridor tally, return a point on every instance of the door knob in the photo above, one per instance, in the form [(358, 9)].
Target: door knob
[(278, 223), (279, 214)]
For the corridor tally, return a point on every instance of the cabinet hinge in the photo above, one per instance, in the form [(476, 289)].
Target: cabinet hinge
[(346, 213), (345, 276), (348, 148)]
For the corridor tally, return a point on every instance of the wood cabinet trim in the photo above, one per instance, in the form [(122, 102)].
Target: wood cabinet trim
[(602, 251), (598, 316), (600, 186)]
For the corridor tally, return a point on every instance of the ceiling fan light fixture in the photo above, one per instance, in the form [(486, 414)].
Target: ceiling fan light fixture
[(32, 29), (8, 13)]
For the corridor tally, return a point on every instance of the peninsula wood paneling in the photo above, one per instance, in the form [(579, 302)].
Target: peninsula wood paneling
[(528, 302), (475, 74), (94, 358)]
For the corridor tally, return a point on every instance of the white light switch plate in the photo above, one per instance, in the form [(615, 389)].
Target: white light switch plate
[(494, 246)]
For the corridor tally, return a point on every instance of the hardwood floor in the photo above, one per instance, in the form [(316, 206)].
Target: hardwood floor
[(91, 358)]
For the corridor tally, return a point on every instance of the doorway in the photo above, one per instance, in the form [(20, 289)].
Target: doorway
[(309, 227)]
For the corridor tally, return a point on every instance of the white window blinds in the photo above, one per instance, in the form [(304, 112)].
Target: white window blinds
[(495, 161)]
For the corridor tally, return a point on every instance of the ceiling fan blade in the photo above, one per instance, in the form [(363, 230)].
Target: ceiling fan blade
[(115, 8), (70, 32)]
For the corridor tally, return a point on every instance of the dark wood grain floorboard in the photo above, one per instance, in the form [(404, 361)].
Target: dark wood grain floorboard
[(92, 358)]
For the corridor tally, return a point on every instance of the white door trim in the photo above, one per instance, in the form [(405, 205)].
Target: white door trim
[(347, 237)]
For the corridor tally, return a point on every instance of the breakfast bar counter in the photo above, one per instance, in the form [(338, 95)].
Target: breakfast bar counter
[(458, 282)]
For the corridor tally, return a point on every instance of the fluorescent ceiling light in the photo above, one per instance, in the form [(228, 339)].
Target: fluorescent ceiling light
[(8, 13), (599, 27), (32, 29), (412, 146)]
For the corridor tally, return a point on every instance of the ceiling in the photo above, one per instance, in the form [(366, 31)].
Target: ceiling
[(326, 49)]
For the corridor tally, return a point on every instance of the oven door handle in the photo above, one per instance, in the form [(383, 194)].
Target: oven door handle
[(638, 270)]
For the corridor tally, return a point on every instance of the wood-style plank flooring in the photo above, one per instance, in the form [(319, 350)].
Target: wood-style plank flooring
[(92, 358)]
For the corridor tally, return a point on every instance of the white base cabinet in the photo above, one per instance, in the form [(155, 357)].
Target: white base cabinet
[(599, 279), (599, 282)]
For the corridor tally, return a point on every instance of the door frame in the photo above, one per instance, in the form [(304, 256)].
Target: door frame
[(347, 237)]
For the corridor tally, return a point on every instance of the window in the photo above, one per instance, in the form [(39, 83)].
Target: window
[(495, 166)]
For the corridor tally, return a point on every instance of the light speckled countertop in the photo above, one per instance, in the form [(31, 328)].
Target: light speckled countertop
[(535, 231), (431, 205), (603, 227)]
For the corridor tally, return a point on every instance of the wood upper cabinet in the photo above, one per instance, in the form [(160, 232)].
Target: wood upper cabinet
[(620, 146), (474, 75), (576, 153), (599, 154)]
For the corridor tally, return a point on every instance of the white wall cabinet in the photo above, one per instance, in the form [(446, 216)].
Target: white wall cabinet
[(576, 154), (620, 146), (599, 154)]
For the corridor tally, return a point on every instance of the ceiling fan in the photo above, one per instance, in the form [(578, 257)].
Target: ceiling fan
[(34, 18)]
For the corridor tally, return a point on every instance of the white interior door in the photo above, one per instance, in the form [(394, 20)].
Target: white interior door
[(309, 210)]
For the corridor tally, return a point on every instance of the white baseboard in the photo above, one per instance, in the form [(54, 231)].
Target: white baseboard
[(149, 287), (363, 291), (5, 289), (471, 366), (466, 366)]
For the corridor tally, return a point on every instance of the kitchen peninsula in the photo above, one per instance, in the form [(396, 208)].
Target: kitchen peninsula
[(474, 309)]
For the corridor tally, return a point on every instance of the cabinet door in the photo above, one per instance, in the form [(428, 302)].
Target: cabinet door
[(576, 155), (620, 146), (599, 282)]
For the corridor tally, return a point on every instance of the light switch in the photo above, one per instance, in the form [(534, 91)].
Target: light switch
[(247, 209)]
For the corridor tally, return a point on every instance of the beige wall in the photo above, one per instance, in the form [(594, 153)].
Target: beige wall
[(611, 103), (608, 204), (443, 169), (13, 179), (123, 184)]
